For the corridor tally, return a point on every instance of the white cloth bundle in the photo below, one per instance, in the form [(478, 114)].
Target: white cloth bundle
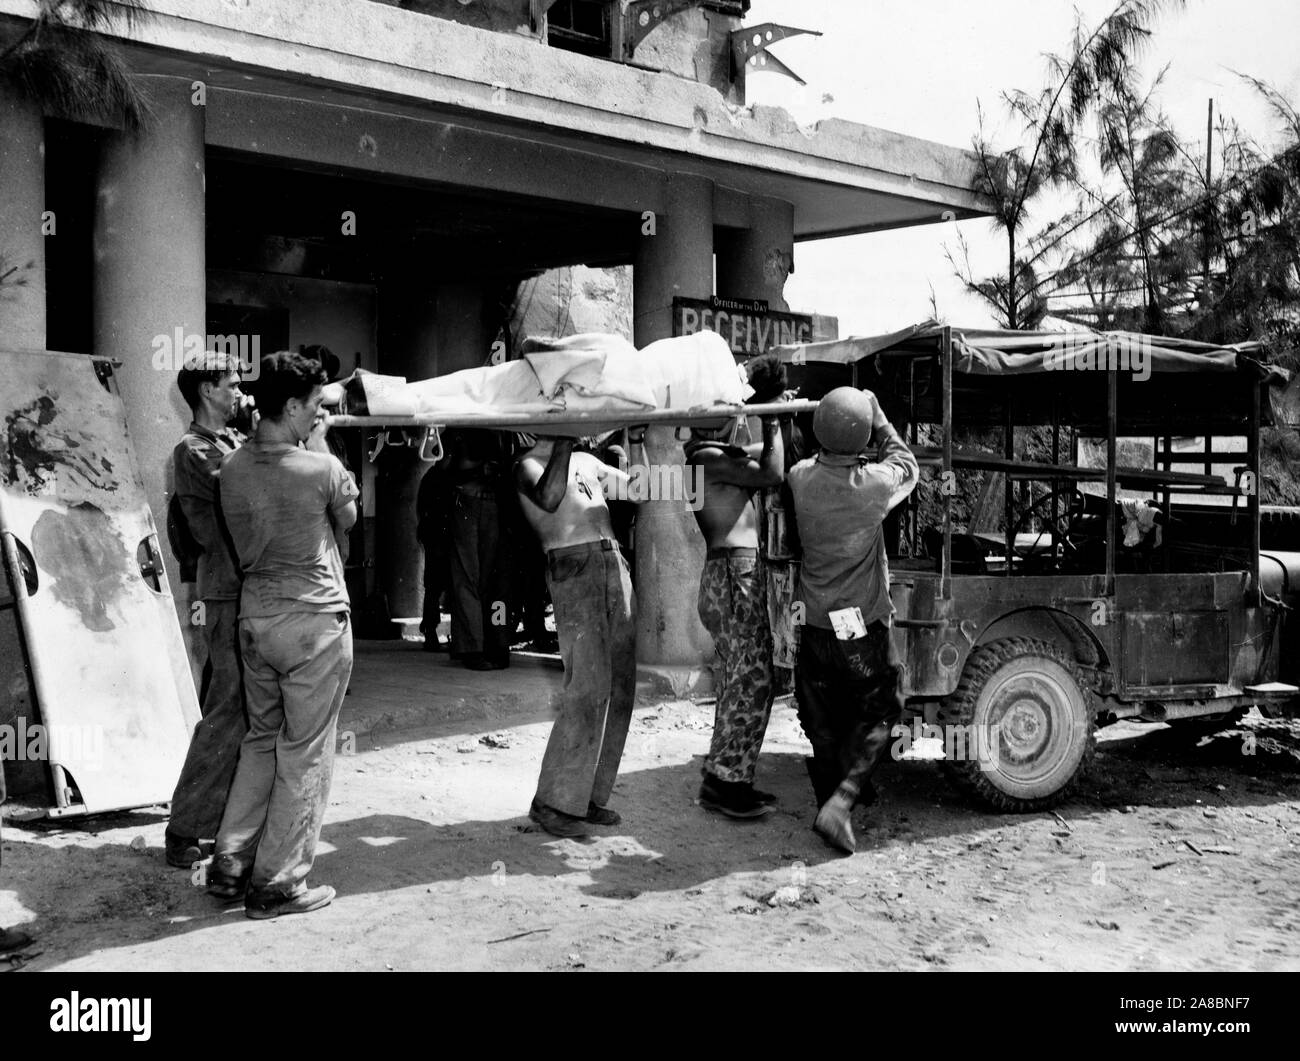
[(581, 373), (589, 366)]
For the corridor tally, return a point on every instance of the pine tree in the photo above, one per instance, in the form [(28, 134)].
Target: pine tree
[(1096, 61)]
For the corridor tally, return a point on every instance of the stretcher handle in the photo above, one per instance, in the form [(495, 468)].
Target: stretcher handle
[(431, 446), (150, 562), (22, 566)]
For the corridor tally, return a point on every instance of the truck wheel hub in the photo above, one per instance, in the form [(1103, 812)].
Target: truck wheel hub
[(1024, 724)]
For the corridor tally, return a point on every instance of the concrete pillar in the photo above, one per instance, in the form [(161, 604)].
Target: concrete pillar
[(22, 246), (754, 262), (677, 260), (150, 282)]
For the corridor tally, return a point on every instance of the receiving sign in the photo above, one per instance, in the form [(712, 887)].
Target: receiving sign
[(749, 327)]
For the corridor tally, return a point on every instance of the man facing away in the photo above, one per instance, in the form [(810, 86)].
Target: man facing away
[(778, 542), (480, 557), (432, 530), (210, 385), (562, 494), (288, 509), (847, 675), (733, 608)]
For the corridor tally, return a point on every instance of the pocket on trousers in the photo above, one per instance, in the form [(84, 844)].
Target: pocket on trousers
[(714, 598), (564, 568), (743, 565), (743, 587)]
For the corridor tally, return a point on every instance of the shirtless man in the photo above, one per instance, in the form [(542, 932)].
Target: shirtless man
[(562, 494), (733, 608)]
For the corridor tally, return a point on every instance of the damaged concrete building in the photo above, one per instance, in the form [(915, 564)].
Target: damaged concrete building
[(380, 177)]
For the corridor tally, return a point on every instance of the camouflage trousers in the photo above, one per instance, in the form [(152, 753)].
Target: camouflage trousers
[(733, 608)]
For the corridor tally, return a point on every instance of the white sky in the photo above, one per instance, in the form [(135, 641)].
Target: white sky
[(918, 68)]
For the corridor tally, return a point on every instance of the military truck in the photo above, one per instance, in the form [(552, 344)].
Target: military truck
[(1115, 563)]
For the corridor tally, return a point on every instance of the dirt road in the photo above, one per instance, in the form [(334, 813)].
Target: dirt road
[(1173, 856)]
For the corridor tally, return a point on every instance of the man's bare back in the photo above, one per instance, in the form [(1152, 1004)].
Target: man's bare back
[(580, 482), (728, 516)]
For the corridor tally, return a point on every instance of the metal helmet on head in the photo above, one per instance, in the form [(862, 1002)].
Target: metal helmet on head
[(842, 422)]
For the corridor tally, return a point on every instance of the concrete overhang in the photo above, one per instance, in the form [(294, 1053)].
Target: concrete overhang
[(367, 87)]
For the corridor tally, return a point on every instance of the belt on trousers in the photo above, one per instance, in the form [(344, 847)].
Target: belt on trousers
[(727, 554), (601, 544), (483, 493)]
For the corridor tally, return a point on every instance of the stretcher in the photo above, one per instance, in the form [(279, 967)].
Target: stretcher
[(423, 430), (574, 386)]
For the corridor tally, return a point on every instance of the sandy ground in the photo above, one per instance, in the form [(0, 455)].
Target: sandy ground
[(1174, 856)]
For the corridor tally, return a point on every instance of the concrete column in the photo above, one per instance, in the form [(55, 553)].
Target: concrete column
[(754, 262), (677, 260), (22, 246), (150, 282)]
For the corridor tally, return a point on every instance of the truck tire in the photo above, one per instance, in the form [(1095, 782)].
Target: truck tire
[(1043, 741)]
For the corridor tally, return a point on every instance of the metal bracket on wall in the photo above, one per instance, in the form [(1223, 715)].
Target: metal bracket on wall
[(640, 17), (749, 46)]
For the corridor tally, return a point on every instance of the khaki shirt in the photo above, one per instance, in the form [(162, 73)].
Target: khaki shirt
[(840, 504), (278, 501), (196, 464)]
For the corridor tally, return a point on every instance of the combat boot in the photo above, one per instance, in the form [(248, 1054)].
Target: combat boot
[(833, 824), (735, 799)]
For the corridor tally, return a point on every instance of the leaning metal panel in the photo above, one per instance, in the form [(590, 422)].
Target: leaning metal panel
[(112, 679)]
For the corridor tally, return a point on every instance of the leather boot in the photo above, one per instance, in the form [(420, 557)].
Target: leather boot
[(833, 823)]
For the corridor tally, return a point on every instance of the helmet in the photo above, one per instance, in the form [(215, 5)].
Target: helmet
[(842, 422)]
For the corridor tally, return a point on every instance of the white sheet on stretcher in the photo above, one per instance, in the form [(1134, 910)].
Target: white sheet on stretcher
[(580, 373)]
